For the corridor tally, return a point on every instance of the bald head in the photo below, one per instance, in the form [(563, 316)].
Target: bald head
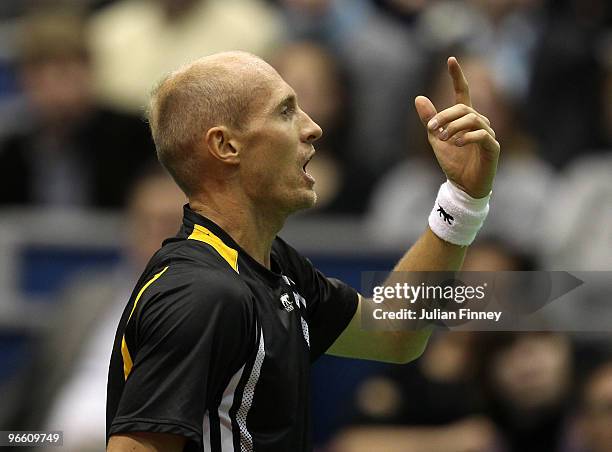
[(216, 90)]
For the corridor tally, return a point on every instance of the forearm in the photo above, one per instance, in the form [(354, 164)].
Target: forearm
[(396, 344), (145, 442), (431, 253)]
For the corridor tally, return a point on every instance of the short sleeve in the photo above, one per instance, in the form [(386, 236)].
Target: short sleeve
[(330, 303), (191, 333)]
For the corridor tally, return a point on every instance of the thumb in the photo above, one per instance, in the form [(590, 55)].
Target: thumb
[(425, 109)]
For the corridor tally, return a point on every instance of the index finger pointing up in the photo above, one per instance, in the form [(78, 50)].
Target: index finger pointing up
[(460, 84)]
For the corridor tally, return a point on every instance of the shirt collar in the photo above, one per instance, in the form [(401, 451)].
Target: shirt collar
[(192, 218)]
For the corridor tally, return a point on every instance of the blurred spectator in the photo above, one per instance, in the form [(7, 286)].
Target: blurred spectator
[(75, 355), (526, 378), (580, 209), (406, 11), (72, 152), (595, 410), (136, 42), (10, 99), (326, 21), (493, 254), (386, 66), (581, 205), (401, 203), (428, 406), (319, 83), (566, 86)]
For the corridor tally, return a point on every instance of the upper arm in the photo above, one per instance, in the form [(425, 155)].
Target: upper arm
[(191, 333), (388, 346), (146, 442)]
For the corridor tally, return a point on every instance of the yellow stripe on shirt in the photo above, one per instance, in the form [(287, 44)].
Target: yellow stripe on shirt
[(202, 234), (127, 358)]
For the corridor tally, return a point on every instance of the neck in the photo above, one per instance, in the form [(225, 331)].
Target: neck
[(252, 228)]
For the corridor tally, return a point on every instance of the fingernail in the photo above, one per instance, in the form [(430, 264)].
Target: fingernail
[(433, 124), (459, 141), (444, 135)]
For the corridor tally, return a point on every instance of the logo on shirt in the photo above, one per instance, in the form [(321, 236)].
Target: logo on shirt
[(299, 300), (286, 302)]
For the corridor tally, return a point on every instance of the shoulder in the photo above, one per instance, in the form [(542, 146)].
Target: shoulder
[(193, 299), (195, 256), (203, 281), (208, 281), (187, 277)]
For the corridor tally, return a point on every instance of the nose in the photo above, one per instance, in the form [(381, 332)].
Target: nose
[(311, 131)]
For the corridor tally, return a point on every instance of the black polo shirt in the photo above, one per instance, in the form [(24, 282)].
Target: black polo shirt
[(217, 348)]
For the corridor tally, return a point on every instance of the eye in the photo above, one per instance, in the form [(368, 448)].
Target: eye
[(287, 110)]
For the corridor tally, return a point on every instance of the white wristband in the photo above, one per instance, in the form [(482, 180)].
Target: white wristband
[(457, 217)]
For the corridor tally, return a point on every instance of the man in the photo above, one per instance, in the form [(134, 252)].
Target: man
[(595, 409), (214, 348), (63, 153)]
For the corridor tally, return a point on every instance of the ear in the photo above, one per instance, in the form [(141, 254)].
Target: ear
[(222, 145)]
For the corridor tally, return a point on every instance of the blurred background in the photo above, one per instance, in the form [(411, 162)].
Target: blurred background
[(83, 203)]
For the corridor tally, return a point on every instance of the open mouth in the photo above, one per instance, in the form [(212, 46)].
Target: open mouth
[(307, 175), (306, 163)]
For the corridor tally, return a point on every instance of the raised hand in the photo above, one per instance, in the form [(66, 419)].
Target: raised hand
[(462, 139)]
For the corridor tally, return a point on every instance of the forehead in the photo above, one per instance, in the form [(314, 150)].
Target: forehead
[(269, 89)]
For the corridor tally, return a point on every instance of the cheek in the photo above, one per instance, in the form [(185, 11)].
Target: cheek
[(278, 165), (264, 176), (271, 168)]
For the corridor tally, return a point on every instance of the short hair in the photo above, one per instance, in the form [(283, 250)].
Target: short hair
[(186, 104)]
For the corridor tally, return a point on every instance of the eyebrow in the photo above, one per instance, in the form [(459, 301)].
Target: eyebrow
[(288, 99)]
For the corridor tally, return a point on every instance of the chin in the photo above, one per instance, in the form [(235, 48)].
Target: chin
[(305, 200)]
